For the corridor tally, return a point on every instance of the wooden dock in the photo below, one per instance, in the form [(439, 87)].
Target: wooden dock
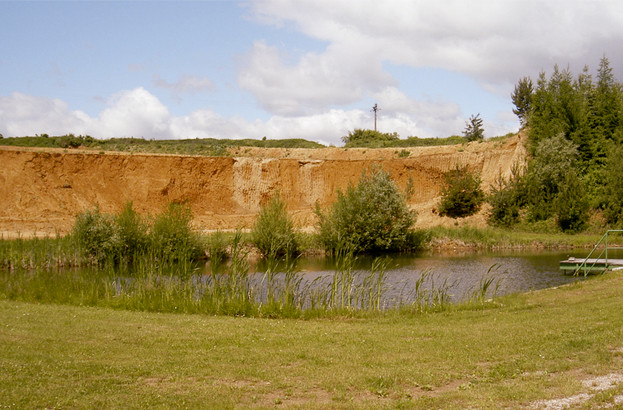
[(586, 266)]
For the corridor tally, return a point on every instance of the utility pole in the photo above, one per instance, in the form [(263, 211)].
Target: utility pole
[(375, 109)]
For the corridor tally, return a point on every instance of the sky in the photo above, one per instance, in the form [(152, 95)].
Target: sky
[(308, 69)]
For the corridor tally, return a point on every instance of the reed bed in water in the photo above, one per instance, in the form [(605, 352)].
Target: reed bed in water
[(150, 284), (40, 253)]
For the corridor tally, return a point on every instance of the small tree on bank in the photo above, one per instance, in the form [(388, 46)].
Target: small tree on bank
[(372, 216), (273, 234), (461, 195), (506, 198)]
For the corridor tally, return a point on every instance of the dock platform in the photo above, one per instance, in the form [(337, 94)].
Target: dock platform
[(586, 266)]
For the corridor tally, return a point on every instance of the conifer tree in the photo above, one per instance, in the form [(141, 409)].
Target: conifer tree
[(473, 129), (522, 98)]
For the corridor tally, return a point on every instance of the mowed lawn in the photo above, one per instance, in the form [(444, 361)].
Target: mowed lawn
[(519, 352)]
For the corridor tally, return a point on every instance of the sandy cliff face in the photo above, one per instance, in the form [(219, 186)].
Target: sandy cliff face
[(41, 191)]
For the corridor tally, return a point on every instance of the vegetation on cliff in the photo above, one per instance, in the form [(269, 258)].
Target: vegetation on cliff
[(196, 146), (461, 194)]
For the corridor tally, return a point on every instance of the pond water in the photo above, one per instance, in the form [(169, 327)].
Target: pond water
[(460, 274)]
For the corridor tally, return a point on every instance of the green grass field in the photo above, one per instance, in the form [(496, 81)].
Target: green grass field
[(545, 345)]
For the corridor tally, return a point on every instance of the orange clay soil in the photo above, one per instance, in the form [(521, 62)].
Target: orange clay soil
[(42, 190)]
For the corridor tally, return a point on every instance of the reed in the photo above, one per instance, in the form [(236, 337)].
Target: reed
[(479, 295), (39, 253), (167, 285)]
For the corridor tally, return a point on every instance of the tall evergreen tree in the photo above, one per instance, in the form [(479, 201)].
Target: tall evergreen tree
[(522, 98), (607, 99)]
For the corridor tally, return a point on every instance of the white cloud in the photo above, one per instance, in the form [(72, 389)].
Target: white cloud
[(138, 113), (315, 82), (424, 118), (135, 113), (22, 115), (130, 113), (491, 41)]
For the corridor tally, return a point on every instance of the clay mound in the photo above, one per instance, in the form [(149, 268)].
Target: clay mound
[(42, 190)]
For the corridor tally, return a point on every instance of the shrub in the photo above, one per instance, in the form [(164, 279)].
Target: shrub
[(172, 237), (126, 236), (273, 234), (461, 195), (132, 233), (369, 139), (370, 217), (217, 247), (97, 235), (506, 199)]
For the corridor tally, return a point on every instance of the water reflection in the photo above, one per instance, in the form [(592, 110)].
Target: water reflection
[(463, 274)]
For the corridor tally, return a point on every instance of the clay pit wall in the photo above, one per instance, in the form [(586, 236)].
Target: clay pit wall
[(42, 190)]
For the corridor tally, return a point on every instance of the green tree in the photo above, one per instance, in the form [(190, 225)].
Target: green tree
[(461, 194), (556, 107), (571, 205), (273, 234), (372, 216), (612, 189), (506, 199), (522, 99), (473, 129), (554, 159)]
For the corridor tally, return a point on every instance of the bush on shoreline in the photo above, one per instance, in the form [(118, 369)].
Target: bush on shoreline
[(273, 234), (126, 236), (372, 216)]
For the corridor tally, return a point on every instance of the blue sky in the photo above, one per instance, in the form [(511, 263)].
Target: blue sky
[(281, 69)]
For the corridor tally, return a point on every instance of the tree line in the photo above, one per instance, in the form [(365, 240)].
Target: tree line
[(575, 128)]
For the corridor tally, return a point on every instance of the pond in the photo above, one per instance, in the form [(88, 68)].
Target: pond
[(417, 282), (461, 274)]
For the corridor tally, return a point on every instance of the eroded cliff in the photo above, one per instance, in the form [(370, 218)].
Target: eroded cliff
[(41, 191)]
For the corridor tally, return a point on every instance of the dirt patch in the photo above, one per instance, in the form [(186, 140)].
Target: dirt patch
[(593, 384), (42, 190)]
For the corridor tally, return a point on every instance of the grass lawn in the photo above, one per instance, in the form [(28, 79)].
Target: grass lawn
[(525, 350)]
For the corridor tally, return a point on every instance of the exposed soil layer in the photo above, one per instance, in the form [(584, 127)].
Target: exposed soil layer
[(42, 190)]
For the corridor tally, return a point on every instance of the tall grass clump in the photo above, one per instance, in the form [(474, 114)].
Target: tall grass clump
[(216, 248), (273, 234), (39, 253), (372, 216)]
